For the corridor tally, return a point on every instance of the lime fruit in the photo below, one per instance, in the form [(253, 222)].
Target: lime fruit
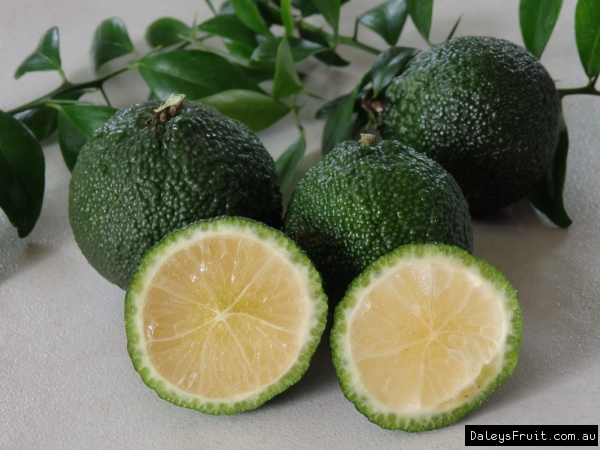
[(360, 202), (223, 315), (424, 335), (150, 170), (485, 109)]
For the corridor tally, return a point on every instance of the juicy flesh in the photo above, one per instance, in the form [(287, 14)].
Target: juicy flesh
[(224, 317), (427, 337)]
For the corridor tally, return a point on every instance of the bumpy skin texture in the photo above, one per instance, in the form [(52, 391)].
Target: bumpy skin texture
[(358, 203), (485, 109), (135, 182)]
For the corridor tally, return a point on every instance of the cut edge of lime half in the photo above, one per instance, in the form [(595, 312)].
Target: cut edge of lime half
[(418, 418), (224, 225)]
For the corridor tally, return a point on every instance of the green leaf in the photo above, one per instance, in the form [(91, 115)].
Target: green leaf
[(421, 12), (330, 10), (249, 14), (255, 110), (329, 57), (110, 41), (45, 57), (42, 119), (387, 20), (287, 18), (547, 195), (228, 26), (587, 35), (329, 107), (167, 31), (286, 81), (76, 123), (238, 49), (338, 127), (185, 72), (270, 12), (288, 162), (266, 52), (537, 19), (389, 64), (306, 7), (22, 172)]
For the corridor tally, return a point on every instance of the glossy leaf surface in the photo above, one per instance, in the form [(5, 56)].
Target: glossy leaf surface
[(45, 57), (387, 20), (255, 110), (537, 19), (22, 172), (184, 72), (110, 41)]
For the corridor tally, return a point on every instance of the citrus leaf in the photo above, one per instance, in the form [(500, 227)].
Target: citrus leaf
[(288, 162), (587, 35), (286, 81), (270, 11), (76, 123), (329, 107), (22, 174), (110, 41), (185, 72), (339, 123), (45, 57), (255, 110), (166, 31), (42, 119), (249, 14), (228, 26), (421, 12), (266, 52), (387, 20), (389, 64), (239, 49), (330, 10), (547, 194), (287, 18), (306, 7), (537, 19), (329, 57)]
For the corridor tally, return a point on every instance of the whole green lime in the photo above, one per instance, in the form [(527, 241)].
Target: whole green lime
[(148, 172), (485, 109), (360, 202)]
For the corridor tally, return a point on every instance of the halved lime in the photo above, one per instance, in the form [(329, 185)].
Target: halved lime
[(424, 335), (223, 315)]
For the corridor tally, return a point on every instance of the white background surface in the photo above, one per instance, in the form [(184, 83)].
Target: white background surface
[(66, 380)]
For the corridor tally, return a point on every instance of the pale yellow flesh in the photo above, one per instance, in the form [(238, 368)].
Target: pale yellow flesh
[(224, 316), (426, 336)]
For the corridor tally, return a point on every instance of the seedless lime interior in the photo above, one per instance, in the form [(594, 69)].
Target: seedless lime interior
[(426, 336), (224, 316)]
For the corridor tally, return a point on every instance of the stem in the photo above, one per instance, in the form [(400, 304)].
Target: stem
[(589, 89), (296, 110), (345, 40), (65, 88)]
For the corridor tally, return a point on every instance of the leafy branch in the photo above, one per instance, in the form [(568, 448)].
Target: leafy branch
[(253, 80)]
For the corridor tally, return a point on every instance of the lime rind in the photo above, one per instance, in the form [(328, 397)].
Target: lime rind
[(149, 264), (349, 381)]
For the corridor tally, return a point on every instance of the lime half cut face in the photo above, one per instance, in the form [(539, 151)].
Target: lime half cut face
[(425, 335), (223, 315)]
